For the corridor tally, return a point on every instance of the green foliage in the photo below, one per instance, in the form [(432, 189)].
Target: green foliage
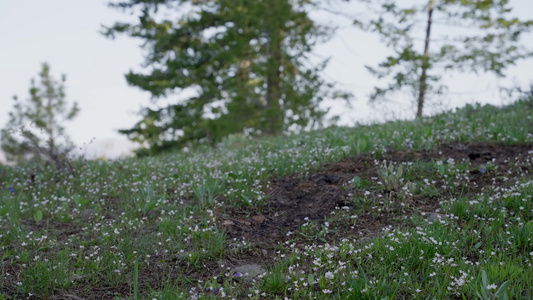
[(243, 62), (34, 130), (150, 200), (135, 280), (45, 276), (100, 235), (38, 215), (208, 191), (391, 176), (484, 291), (491, 43), (274, 281)]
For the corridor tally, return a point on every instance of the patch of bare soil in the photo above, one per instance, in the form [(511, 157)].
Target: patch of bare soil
[(295, 200)]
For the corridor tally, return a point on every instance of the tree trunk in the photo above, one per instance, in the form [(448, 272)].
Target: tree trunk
[(274, 115), (425, 62), (273, 110)]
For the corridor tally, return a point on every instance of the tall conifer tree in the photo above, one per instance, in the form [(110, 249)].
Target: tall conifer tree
[(246, 61)]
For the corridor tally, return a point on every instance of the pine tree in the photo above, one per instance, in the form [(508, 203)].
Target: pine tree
[(246, 61), (487, 39), (34, 130)]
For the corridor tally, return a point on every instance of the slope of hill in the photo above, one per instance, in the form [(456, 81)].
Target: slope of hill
[(436, 208)]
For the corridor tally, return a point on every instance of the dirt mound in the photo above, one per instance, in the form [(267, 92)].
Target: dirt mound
[(295, 200)]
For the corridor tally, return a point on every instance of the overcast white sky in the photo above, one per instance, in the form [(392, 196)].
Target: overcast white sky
[(66, 35)]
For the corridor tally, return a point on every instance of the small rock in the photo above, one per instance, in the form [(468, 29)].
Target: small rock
[(250, 271), (227, 223), (259, 218), (264, 252), (221, 263), (87, 214), (435, 217)]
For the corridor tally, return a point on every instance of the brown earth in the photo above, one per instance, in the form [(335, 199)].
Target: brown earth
[(295, 200)]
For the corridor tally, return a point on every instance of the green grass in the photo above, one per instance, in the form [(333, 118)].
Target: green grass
[(154, 228)]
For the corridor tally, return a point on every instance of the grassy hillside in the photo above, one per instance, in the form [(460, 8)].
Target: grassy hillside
[(437, 208)]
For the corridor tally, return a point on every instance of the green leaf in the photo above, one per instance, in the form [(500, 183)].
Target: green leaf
[(478, 295), (529, 227), (4, 210), (135, 280), (38, 215), (6, 255), (311, 280), (361, 145), (501, 293), (484, 278), (427, 131), (357, 182), (149, 192), (245, 198), (149, 206)]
